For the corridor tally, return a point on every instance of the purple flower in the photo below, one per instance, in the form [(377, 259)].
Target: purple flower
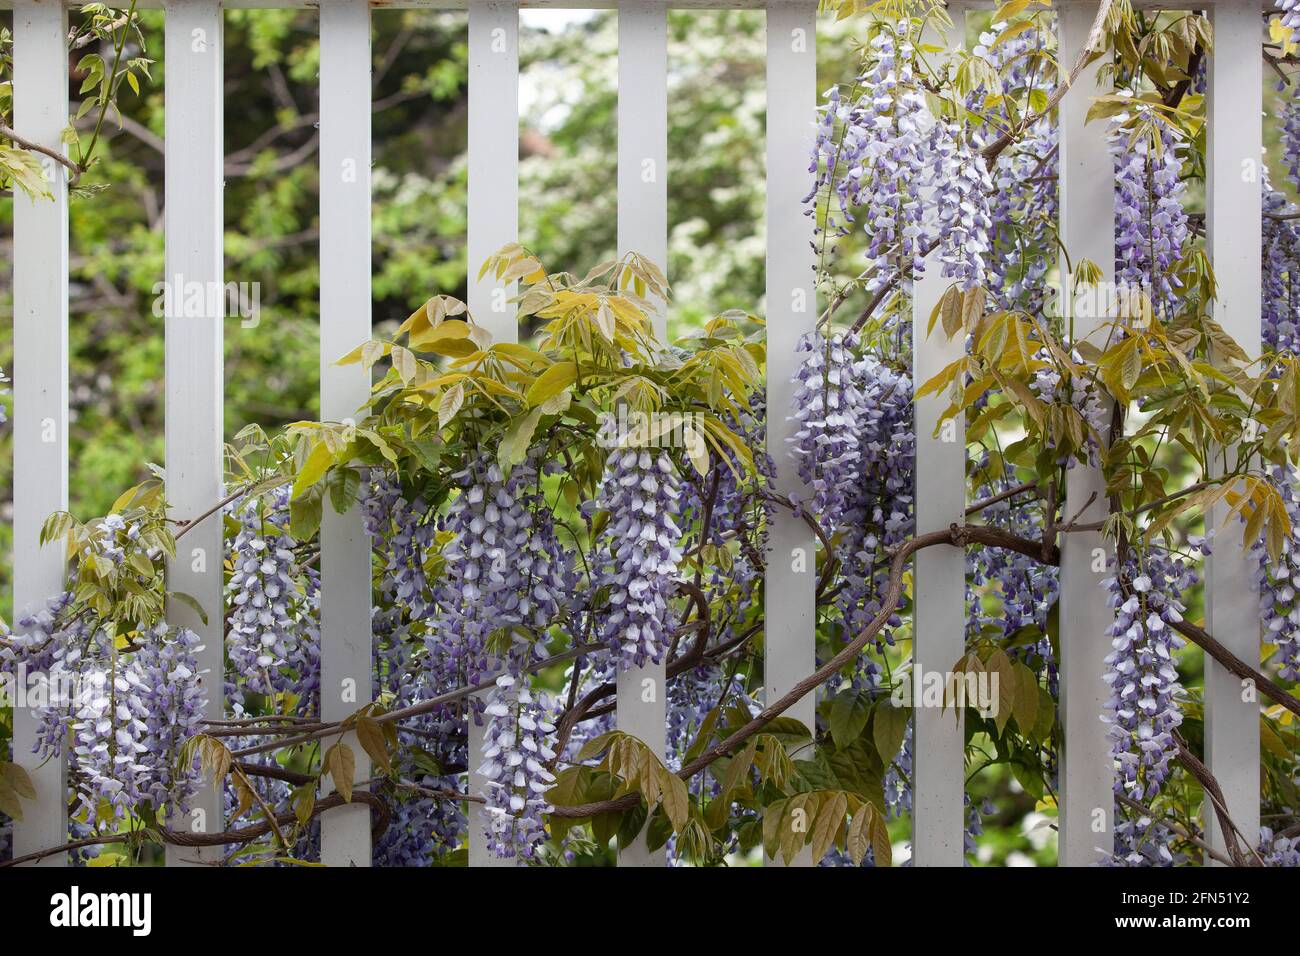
[(639, 553)]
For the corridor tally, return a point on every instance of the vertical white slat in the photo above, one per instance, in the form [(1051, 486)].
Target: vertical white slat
[(789, 611), (193, 358), (1087, 192), (643, 228), (345, 313), (1233, 157), (939, 582), (493, 222), (40, 374)]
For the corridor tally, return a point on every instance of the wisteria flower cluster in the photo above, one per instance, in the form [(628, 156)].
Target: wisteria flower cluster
[(964, 225), (1143, 709), (504, 567), (641, 551), (1280, 306), (1278, 582), (1023, 196), (829, 409), (129, 717), (878, 152), (855, 449), (264, 637), (1151, 228), (515, 753)]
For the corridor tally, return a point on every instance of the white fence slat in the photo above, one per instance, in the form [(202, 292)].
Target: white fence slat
[(193, 358), (790, 644), (345, 316), (643, 228), (1088, 231), (939, 577), (1234, 153), (493, 221), (40, 374)]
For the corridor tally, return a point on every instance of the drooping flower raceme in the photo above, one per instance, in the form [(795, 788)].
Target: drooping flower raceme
[(881, 505), (1023, 206), (639, 554), (504, 567), (1289, 130), (855, 448), (1085, 398), (264, 596), (1151, 228), (1278, 582), (877, 152), (1280, 305), (963, 225), (514, 752), (829, 410), (132, 712), (171, 690), (397, 526), (1143, 706)]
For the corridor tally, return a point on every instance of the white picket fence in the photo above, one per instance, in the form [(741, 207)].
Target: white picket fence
[(194, 369)]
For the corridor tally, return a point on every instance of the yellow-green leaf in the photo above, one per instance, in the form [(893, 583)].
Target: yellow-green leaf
[(551, 382)]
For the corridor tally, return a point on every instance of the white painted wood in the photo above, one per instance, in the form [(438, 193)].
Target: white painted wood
[(193, 357), (40, 374), (345, 313), (939, 577), (789, 611), (643, 228), (493, 222), (1233, 156), (1088, 231)]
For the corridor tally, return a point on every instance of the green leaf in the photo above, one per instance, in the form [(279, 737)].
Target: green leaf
[(341, 764), (518, 437), (597, 745), (1025, 709), (881, 847), (831, 811), (344, 484), (773, 816), (371, 737), (404, 363), (451, 402), (305, 516), (551, 382), (738, 768), (304, 802), (849, 712), (858, 839), (888, 728), (190, 602), (317, 463), (674, 798), (858, 770), (1008, 685), (18, 780)]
